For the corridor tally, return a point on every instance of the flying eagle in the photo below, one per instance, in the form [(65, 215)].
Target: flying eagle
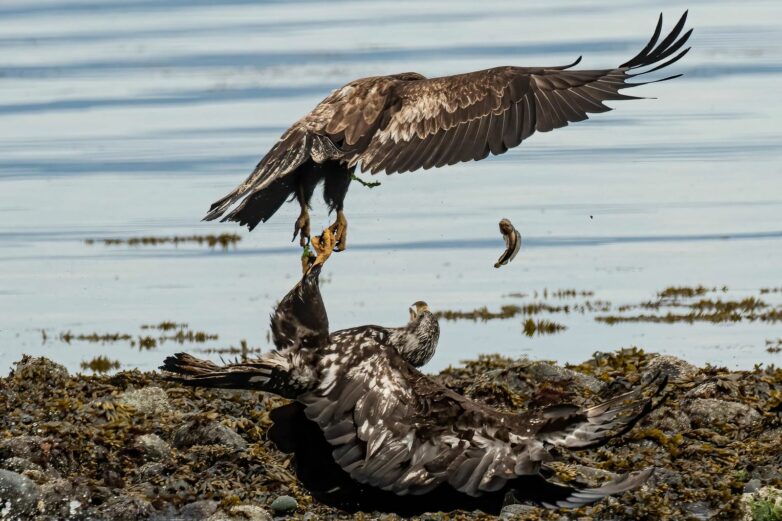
[(369, 431), (404, 122)]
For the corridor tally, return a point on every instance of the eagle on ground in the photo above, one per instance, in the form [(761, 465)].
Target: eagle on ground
[(370, 432), (405, 122)]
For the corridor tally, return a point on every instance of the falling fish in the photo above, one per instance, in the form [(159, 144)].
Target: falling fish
[(512, 243)]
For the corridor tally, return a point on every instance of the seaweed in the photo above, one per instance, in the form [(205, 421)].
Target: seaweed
[(541, 327), (100, 364), (224, 240)]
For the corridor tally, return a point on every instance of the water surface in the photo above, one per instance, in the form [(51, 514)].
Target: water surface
[(125, 118)]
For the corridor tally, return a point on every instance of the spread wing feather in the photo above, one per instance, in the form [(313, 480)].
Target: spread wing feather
[(442, 121), (393, 428)]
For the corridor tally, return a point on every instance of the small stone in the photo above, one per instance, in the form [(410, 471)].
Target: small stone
[(752, 485), (711, 413), (519, 510), (16, 464), (669, 420), (56, 497), (543, 372), (676, 369), (148, 400), (199, 510), (592, 476), (152, 447), (125, 508), (150, 470), (242, 513), (18, 494), (284, 505), (210, 433), (700, 510), (36, 449)]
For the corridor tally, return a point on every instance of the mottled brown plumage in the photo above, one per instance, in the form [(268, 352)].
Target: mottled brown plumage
[(405, 122), (367, 427)]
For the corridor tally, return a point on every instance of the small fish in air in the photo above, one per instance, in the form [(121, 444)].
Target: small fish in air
[(512, 243)]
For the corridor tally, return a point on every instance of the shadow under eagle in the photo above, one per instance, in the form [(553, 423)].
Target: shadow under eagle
[(405, 122), (370, 432)]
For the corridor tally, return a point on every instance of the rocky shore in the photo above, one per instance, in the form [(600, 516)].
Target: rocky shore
[(134, 446)]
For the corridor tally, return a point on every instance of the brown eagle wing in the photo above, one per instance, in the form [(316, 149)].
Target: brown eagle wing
[(393, 428), (396, 429), (443, 121)]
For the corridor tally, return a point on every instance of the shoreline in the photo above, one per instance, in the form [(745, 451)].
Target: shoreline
[(135, 446)]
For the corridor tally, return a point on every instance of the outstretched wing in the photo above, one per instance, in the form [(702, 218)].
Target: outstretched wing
[(583, 428), (443, 121), (393, 428)]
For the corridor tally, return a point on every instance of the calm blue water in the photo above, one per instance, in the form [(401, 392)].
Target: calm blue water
[(129, 117)]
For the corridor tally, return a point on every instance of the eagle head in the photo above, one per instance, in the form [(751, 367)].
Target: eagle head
[(418, 309)]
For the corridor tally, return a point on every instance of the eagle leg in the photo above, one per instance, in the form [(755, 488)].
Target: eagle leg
[(340, 231), (302, 225)]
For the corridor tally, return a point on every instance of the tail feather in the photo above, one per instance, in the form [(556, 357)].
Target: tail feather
[(262, 204), (283, 158), (570, 497), (575, 428), (271, 373)]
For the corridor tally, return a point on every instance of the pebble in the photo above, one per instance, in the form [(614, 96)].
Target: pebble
[(242, 513), (284, 505), (710, 413), (199, 510), (147, 400), (211, 433), (152, 447), (18, 495)]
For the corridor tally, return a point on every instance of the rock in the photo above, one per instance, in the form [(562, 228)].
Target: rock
[(16, 464), (520, 510), (528, 377), (152, 447), (714, 414), (199, 510), (592, 476), (195, 432), (763, 504), (30, 371), (242, 513), (125, 508), (544, 372), (284, 505), (667, 477), (147, 400), (700, 510), (18, 495), (56, 497), (752, 485), (35, 449), (150, 470), (670, 421), (676, 369)]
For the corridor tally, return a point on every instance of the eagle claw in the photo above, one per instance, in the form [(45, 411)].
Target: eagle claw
[(302, 228), (340, 231), (323, 246)]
